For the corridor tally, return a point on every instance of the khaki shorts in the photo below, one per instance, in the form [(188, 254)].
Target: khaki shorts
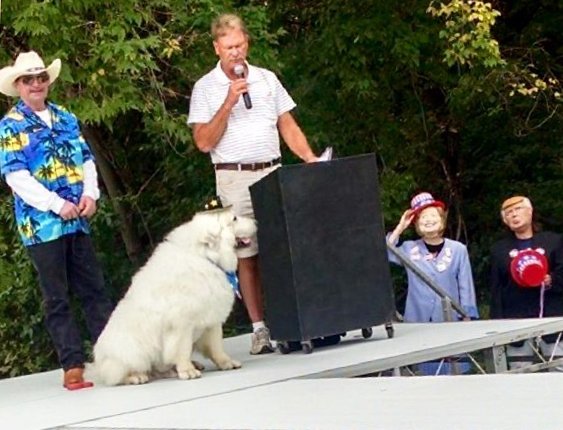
[(233, 189)]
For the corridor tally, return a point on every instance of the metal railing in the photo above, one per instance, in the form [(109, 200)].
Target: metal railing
[(448, 303)]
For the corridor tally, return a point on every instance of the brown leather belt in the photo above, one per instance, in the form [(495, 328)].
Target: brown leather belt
[(249, 166)]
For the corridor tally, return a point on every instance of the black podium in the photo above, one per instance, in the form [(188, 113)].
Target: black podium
[(323, 258)]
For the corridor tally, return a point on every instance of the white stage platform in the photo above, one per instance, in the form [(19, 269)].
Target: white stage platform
[(284, 391)]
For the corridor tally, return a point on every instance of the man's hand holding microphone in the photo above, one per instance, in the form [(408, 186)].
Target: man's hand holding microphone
[(239, 71)]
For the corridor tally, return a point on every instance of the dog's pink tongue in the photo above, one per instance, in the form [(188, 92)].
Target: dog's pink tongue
[(242, 242)]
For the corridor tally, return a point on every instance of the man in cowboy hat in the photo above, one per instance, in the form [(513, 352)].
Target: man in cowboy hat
[(51, 171), (512, 296)]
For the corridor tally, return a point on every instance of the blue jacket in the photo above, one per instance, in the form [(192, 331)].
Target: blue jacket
[(450, 269)]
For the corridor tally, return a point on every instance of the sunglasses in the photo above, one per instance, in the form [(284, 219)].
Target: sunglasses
[(29, 79)]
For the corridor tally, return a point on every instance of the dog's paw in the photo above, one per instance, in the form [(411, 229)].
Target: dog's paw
[(137, 378), (189, 374), (198, 365), (229, 364)]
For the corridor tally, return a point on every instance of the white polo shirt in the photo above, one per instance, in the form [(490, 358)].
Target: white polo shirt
[(251, 134)]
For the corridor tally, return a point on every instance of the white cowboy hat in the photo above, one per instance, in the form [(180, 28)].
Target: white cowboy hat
[(27, 63)]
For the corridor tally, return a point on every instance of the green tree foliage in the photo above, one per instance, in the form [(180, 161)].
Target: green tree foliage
[(128, 70), (467, 31), (25, 347), (460, 98)]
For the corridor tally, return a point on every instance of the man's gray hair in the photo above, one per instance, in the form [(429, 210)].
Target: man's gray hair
[(226, 22)]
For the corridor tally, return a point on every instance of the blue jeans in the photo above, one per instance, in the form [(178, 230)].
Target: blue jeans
[(69, 265)]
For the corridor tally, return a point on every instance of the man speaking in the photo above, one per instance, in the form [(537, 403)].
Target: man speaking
[(241, 134)]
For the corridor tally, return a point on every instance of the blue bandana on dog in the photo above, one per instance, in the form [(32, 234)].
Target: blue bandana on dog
[(233, 280)]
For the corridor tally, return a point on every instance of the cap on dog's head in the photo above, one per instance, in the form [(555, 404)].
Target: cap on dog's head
[(214, 204)]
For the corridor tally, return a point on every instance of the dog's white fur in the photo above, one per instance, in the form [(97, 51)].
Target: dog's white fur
[(177, 302)]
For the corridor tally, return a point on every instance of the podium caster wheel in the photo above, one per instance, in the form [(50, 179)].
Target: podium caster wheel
[(326, 340), (283, 347), (367, 332), (307, 346), (390, 330), (333, 340)]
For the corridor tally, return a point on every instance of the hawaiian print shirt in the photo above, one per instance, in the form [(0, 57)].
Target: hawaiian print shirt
[(55, 157)]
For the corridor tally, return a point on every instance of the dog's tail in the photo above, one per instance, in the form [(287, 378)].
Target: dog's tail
[(91, 374), (106, 372)]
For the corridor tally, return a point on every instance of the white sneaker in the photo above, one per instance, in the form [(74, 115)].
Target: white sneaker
[(261, 342)]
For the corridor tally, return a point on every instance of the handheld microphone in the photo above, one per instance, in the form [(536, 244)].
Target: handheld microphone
[(239, 71)]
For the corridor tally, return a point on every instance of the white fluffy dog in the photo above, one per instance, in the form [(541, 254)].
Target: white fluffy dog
[(176, 303)]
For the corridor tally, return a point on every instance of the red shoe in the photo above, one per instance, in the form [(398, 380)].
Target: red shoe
[(74, 379)]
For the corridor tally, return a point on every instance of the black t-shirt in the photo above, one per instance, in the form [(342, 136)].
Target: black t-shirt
[(434, 249)]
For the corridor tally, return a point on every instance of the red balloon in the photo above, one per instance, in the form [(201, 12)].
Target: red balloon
[(528, 268)]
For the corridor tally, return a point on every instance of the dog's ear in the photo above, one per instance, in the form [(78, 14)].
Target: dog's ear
[(211, 235)]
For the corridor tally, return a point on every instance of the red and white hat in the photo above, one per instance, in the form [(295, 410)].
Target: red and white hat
[(424, 200), (529, 268)]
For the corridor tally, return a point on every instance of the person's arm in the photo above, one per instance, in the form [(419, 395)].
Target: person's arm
[(35, 194), (556, 265), (87, 204), (91, 188), (393, 237), (404, 222), (207, 135), (294, 138)]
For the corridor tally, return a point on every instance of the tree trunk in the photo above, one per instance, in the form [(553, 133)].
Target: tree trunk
[(112, 184)]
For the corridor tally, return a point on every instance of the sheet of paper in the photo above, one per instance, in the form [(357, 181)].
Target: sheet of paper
[(326, 155)]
